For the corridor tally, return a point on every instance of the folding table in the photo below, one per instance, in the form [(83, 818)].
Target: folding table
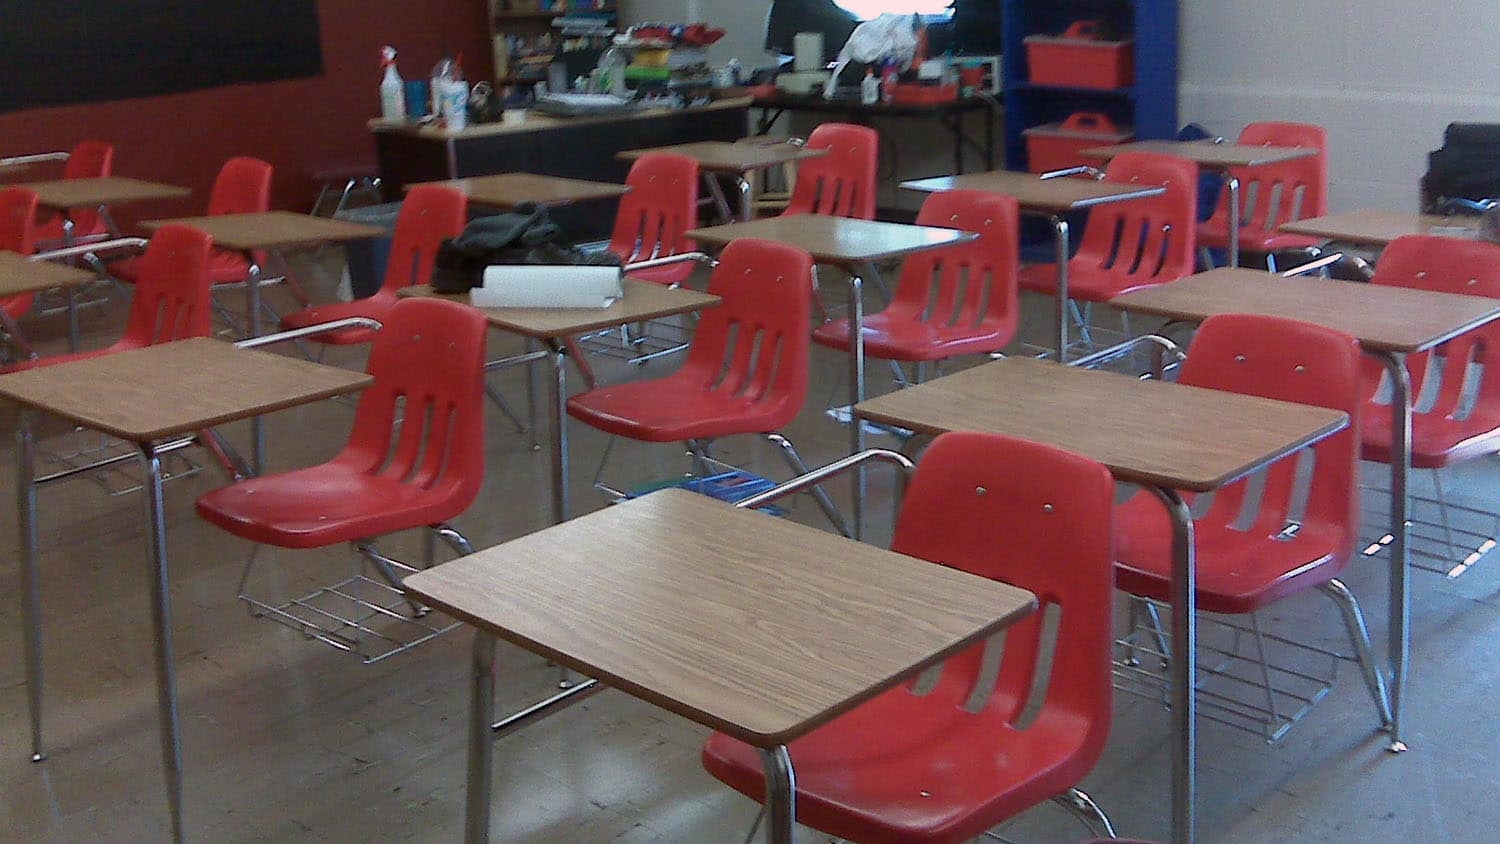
[(642, 301), (1218, 156), (855, 246), (1369, 227), (507, 190), (657, 597), (1389, 323), (735, 159), (1164, 436), (155, 398), (1051, 198)]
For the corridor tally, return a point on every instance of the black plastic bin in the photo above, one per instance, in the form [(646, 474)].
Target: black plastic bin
[(367, 257)]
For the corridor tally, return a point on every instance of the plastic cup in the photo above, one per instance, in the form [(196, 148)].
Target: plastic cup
[(416, 99)]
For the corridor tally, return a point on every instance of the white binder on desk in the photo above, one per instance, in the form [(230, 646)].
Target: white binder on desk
[(548, 286)]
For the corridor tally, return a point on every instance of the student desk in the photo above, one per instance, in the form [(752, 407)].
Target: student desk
[(855, 246), (20, 274), (642, 301), (654, 597), (1051, 198), (1221, 157), (1164, 436), (735, 159), (1389, 323), (1368, 227), (507, 190), (155, 398)]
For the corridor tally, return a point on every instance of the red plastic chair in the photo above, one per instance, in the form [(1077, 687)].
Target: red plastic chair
[(17, 234), (87, 160), (841, 183), (1131, 245), (429, 215), (415, 457), (1274, 194), (661, 206), (949, 302), (170, 301), (1243, 565), (1457, 426), (243, 186), (910, 767)]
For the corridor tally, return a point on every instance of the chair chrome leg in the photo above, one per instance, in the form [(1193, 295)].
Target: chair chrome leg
[(789, 453), (1087, 811), (1359, 637), (386, 567), (456, 540), (755, 826), (505, 408)]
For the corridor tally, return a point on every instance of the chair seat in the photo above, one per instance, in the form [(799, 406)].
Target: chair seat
[(1238, 571), (902, 337), (896, 770), (1085, 284), (224, 267), (1214, 234), (1436, 441), (676, 408), (374, 307), (667, 274), (321, 505)]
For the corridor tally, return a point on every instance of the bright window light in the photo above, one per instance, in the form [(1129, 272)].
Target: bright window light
[(866, 9)]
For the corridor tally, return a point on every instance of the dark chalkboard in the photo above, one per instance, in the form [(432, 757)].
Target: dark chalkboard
[(58, 53)]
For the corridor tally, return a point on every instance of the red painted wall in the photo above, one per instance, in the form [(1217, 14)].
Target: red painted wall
[(297, 125)]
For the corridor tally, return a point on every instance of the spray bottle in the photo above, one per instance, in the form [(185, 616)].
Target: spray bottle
[(392, 95)]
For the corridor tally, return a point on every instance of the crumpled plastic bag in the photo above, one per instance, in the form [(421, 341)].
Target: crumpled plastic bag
[(889, 36)]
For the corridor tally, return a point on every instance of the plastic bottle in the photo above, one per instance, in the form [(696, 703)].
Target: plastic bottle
[(392, 91), (442, 74), (869, 88), (736, 72), (456, 99), (888, 82), (612, 72)]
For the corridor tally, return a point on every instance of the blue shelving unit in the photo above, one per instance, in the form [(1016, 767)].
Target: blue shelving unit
[(1149, 105)]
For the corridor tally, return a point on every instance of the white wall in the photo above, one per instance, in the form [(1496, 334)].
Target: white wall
[(1384, 77)]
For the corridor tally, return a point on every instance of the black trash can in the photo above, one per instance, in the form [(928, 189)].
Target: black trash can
[(368, 257)]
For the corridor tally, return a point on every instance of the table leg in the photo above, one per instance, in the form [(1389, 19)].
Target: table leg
[(1184, 665), (31, 590), (781, 794), (533, 389), (161, 618), (71, 293), (857, 395), (557, 410), (1400, 601), (1233, 183), (1061, 234), (747, 202), (716, 192), (252, 322), (481, 746)]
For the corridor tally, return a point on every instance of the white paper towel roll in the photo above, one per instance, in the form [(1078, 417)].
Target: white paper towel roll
[(547, 286), (807, 51)]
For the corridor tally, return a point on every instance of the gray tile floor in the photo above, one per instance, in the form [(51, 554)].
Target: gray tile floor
[(288, 740)]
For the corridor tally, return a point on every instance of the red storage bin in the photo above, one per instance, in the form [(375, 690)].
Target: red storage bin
[(1055, 146), (1080, 59)]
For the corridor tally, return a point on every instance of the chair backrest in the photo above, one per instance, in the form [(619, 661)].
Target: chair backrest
[(841, 183), (1290, 361), (422, 422), (17, 220), (964, 285), (429, 214), (243, 186), (1039, 518), (171, 300), (1273, 194), (17, 234), (753, 347), (89, 159), (661, 206), (1144, 241), (1447, 265)]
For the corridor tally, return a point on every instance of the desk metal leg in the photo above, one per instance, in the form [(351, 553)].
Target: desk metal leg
[(31, 589), (252, 323), (1061, 234), (481, 746), (716, 192), (557, 410), (1234, 217), (781, 794), (747, 202), (1400, 601), (1184, 665), (161, 618), (856, 395)]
